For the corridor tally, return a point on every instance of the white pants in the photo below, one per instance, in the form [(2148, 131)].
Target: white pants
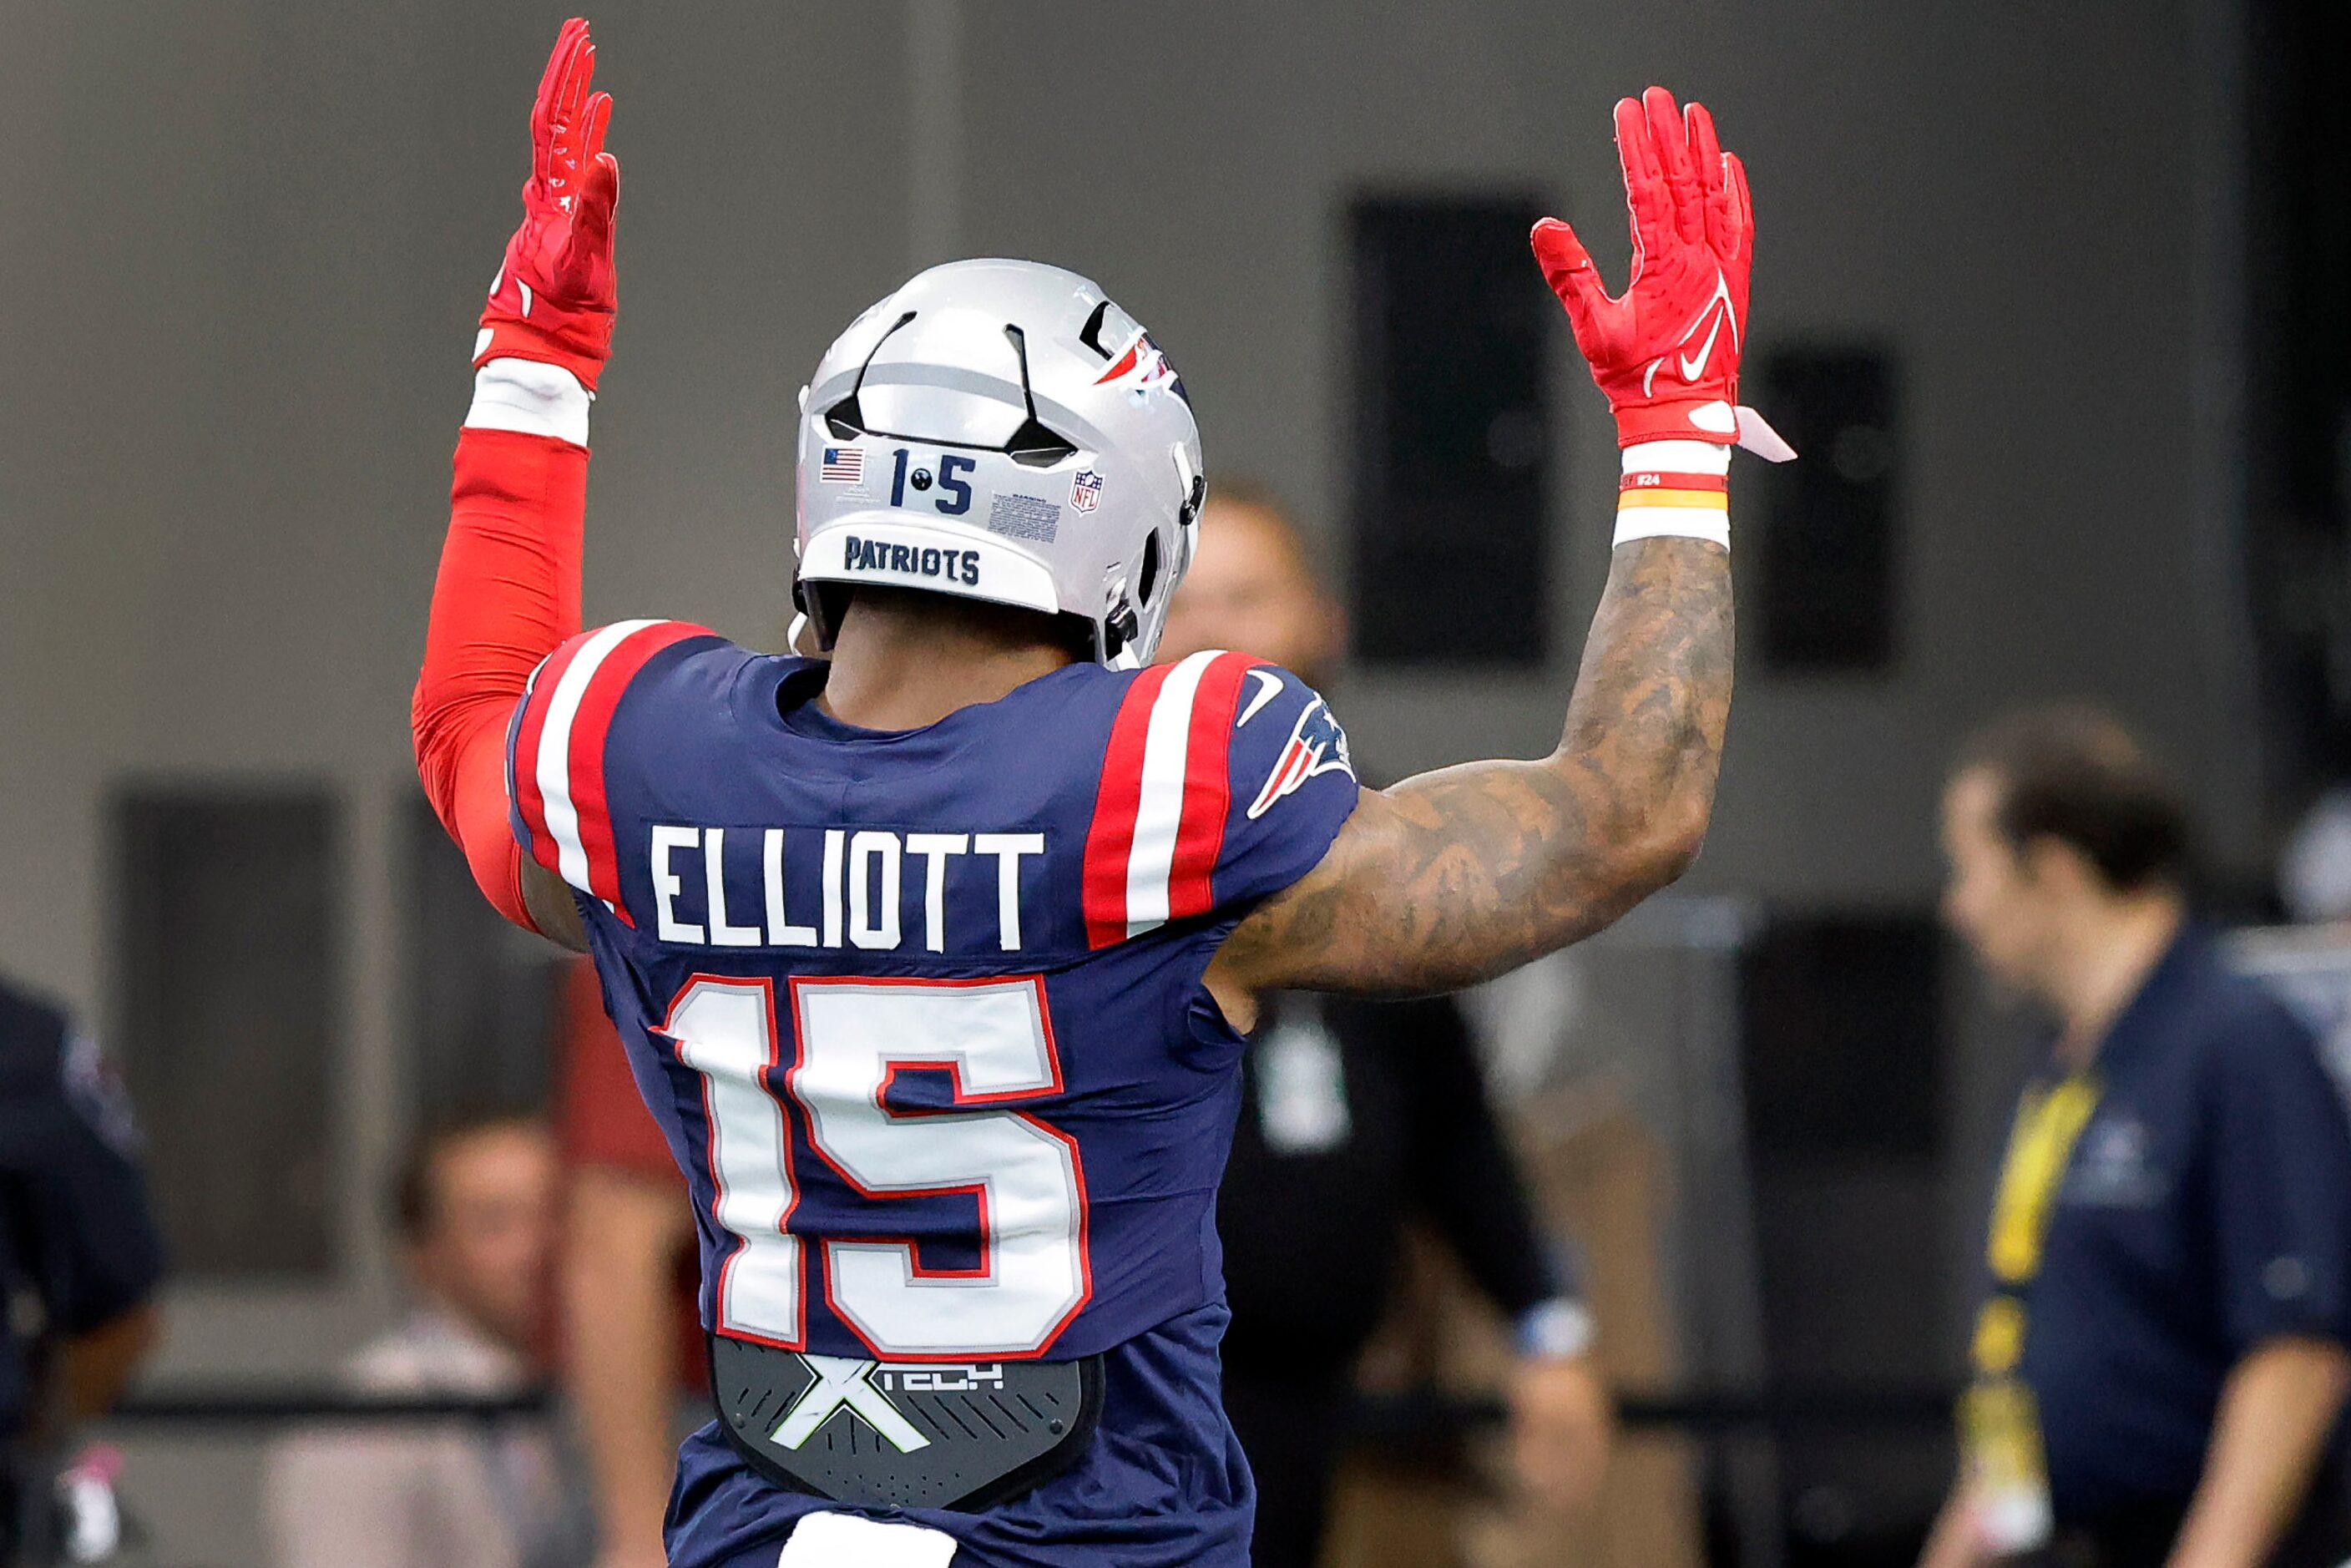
[(847, 1541)]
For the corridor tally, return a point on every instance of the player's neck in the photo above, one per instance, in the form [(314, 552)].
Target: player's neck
[(903, 660)]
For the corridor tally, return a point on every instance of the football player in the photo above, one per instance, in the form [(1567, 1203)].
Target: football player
[(933, 961)]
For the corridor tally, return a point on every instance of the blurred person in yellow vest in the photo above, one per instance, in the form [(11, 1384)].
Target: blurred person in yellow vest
[(2159, 1361), (476, 1206)]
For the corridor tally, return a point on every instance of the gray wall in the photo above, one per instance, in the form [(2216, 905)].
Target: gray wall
[(242, 245)]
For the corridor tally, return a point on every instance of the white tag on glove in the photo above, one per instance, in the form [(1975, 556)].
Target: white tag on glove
[(1759, 438)]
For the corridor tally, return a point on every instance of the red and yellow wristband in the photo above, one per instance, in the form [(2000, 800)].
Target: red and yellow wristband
[(1654, 501), (1651, 488)]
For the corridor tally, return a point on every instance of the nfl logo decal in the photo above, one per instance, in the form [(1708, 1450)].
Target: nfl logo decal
[(842, 465), (1085, 490)]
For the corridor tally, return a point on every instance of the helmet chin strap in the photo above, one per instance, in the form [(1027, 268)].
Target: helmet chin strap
[(1118, 628), (815, 613)]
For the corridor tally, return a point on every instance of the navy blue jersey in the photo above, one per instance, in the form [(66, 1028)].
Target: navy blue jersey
[(74, 1226), (921, 1012), (2205, 1207)]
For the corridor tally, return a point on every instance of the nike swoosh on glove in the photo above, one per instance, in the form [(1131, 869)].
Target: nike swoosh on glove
[(1666, 350), (553, 298)]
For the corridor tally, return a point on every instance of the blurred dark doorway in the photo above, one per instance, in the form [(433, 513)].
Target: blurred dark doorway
[(1841, 1013), (1451, 425), (228, 948), (481, 994), (2298, 398)]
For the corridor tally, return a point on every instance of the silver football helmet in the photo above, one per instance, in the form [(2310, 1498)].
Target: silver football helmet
[(1000, 430)]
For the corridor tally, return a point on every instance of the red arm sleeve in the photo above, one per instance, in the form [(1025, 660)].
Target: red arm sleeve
[(507, 595)]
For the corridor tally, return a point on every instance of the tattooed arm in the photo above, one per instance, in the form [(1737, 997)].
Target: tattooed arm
[(1461, 874)]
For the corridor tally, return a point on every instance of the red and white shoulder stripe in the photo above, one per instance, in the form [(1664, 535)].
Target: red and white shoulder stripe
[(1167, 790), (555, 765)]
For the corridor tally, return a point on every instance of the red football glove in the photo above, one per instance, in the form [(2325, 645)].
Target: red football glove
[(552, 300), (1666, 350)]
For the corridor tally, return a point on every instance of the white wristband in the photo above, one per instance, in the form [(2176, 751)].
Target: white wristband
[(1676, 457), (1637, 521), (530, 397), (1671, 523)]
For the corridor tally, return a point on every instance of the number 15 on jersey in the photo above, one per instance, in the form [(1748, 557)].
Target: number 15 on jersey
[(994, 1041)]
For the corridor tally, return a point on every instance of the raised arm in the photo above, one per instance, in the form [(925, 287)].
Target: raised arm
[(1454, 876), (508, 590)]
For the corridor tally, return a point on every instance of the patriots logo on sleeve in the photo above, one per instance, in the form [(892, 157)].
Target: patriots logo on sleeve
[(1316, 745)]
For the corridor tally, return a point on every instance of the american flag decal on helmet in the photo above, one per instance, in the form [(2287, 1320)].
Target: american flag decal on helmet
[(1317, 745)]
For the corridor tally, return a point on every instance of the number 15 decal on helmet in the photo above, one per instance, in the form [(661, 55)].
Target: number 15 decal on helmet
[(1006, 415), (954, 498)]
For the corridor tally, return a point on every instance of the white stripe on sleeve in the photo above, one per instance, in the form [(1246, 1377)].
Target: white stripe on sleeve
[(1159, 810), (554, 759)]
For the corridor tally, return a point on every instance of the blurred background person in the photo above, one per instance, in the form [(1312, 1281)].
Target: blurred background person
[(474, 1205), (632, 1346), (2160, 1360), (78, 1248), (1355, 1117)]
